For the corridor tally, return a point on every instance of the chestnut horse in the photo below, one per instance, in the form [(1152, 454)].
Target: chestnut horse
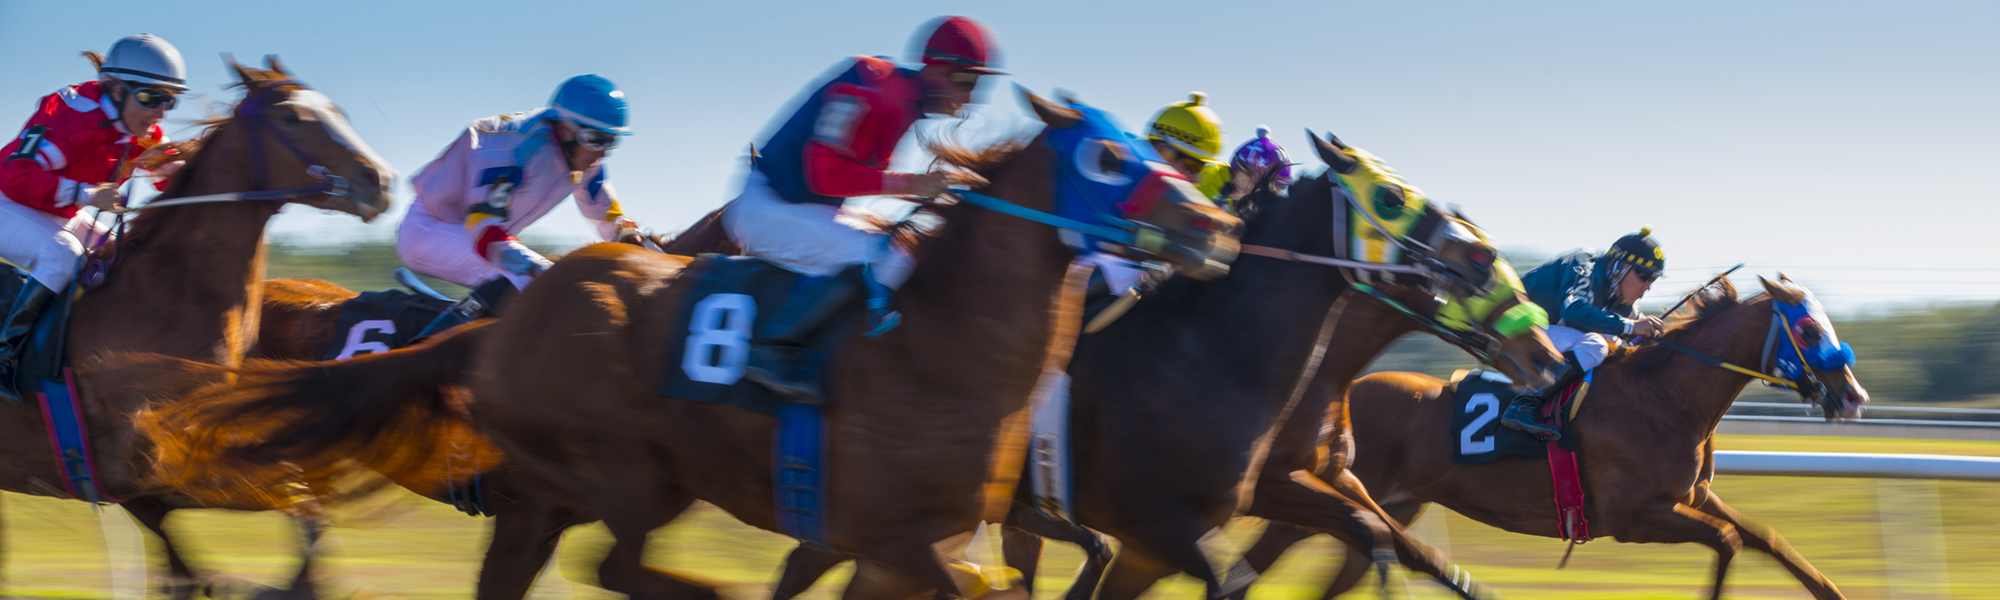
[(182, 283), (925, 427), (1645, 433), (1173, 404), (299, 321)]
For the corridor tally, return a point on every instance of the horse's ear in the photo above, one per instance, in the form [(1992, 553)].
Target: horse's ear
[(1781, 290), (271, 63), (243, 75), (1059, 117), (1333, 153)]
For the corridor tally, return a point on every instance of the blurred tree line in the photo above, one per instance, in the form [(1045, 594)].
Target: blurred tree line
[(1944, 353)]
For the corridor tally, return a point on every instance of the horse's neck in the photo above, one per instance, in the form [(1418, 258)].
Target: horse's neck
[(1269, 310), (1690, 397), (184, 282), (1364, 329)]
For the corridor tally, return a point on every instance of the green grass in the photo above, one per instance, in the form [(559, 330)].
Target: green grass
[(407, 547)]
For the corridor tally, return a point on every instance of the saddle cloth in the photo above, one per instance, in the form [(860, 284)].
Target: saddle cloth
[(1476, 435), (376, 322), (729, 297)]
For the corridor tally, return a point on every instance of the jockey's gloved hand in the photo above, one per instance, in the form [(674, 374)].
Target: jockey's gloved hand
[(1648, 326), (521, 261), (104, 196)]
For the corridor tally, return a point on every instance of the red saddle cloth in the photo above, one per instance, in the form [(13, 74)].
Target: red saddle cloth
[(1563, 469)]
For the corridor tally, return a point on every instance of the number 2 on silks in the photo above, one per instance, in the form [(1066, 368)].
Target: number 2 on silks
[(718, 341), (1490, 408)]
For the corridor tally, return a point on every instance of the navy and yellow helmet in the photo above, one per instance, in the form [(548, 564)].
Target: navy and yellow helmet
[(1640, 251)]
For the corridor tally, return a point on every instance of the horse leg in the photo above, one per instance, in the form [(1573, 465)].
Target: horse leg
[(1350, 517), (1137, 568), (1767, 540), (1276, 539), (524, 536), (181, 583), (1355, 566), (1023, 552), (1677, 523), (1023, 536), (803, 567), (624, 571)]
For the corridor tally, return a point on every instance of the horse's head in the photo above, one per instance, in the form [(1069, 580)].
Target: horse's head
[(1463, 285), (1806, 351), (297, 138), (1104, 176)]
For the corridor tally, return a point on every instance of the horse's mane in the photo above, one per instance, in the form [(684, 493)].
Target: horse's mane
[(1704, 309), (188, 151), (916, 232)]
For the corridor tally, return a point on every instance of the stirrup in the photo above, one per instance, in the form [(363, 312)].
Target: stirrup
[(1511, 419), (782, 369)]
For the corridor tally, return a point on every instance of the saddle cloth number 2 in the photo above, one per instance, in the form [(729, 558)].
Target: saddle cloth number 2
[(1489, 405), (718, 341)]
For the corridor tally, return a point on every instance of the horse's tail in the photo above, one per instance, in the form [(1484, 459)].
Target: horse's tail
[(276, 424)]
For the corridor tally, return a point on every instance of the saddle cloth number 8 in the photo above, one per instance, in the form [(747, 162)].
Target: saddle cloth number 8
[(718, 341)]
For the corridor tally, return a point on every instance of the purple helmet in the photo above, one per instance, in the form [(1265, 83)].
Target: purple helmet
[(1257, 157)]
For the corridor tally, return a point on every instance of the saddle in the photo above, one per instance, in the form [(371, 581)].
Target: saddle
[(729, 298), (380, 321), (1476, 435)]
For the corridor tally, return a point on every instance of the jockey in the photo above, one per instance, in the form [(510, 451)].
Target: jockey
[(501, 175), (1252, 161), (1189, 136), (76, 151), (838, 145), (1592, 298)]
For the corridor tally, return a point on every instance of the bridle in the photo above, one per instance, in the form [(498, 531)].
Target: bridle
[(250, 112)]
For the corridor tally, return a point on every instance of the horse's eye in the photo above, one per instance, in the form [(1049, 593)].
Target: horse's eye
[(1102, 161)]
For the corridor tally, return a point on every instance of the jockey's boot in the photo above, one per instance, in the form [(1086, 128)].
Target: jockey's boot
[(779, 349), (1525, 412), (14, 334), (481, 302)]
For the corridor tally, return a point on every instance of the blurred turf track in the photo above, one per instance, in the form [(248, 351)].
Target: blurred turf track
[(406, 547)]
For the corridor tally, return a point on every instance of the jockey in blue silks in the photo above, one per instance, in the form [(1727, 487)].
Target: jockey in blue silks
[(1590, 297)]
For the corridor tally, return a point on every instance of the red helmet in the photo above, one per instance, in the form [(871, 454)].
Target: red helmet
[(962, 43)]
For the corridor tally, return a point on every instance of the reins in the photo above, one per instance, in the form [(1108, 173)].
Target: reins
[(328, 183)]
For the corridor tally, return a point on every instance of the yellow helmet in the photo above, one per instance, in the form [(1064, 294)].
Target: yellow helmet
[(1190, 127)]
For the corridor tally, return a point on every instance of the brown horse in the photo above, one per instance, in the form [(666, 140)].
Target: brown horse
[(922, 418), (299, 321), (1645, 433), (1174, 403), (183, 284)]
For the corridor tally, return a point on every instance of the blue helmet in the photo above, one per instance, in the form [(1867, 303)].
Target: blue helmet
[(593, 102)]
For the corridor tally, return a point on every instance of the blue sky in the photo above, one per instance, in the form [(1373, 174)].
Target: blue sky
[(1844, 142)]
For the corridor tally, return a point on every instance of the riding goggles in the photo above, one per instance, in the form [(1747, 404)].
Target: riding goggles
[(595, 139), (154, 98)]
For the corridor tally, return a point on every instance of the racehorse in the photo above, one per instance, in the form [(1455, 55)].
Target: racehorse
[(299, 323), (1173, 404), (1645, 434), (181, 282), (923, 423)]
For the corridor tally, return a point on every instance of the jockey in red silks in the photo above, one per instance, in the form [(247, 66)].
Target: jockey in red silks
[(502, 174), (838, 145), (76, 150)]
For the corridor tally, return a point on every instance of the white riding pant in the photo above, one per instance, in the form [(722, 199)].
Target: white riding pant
[(813, 239), (1120, 273), (1590, 348), (444, 250), (50, 247)]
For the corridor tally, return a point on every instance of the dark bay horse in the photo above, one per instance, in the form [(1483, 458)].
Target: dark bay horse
[(1173, 404), (183, 284), (1645, 432), (922, 418)]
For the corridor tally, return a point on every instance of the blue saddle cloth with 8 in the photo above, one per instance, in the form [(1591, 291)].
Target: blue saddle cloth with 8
[(729, 297), (1476, 434)]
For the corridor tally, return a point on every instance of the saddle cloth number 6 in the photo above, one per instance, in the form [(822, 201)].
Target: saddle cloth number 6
[(718, 341)]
